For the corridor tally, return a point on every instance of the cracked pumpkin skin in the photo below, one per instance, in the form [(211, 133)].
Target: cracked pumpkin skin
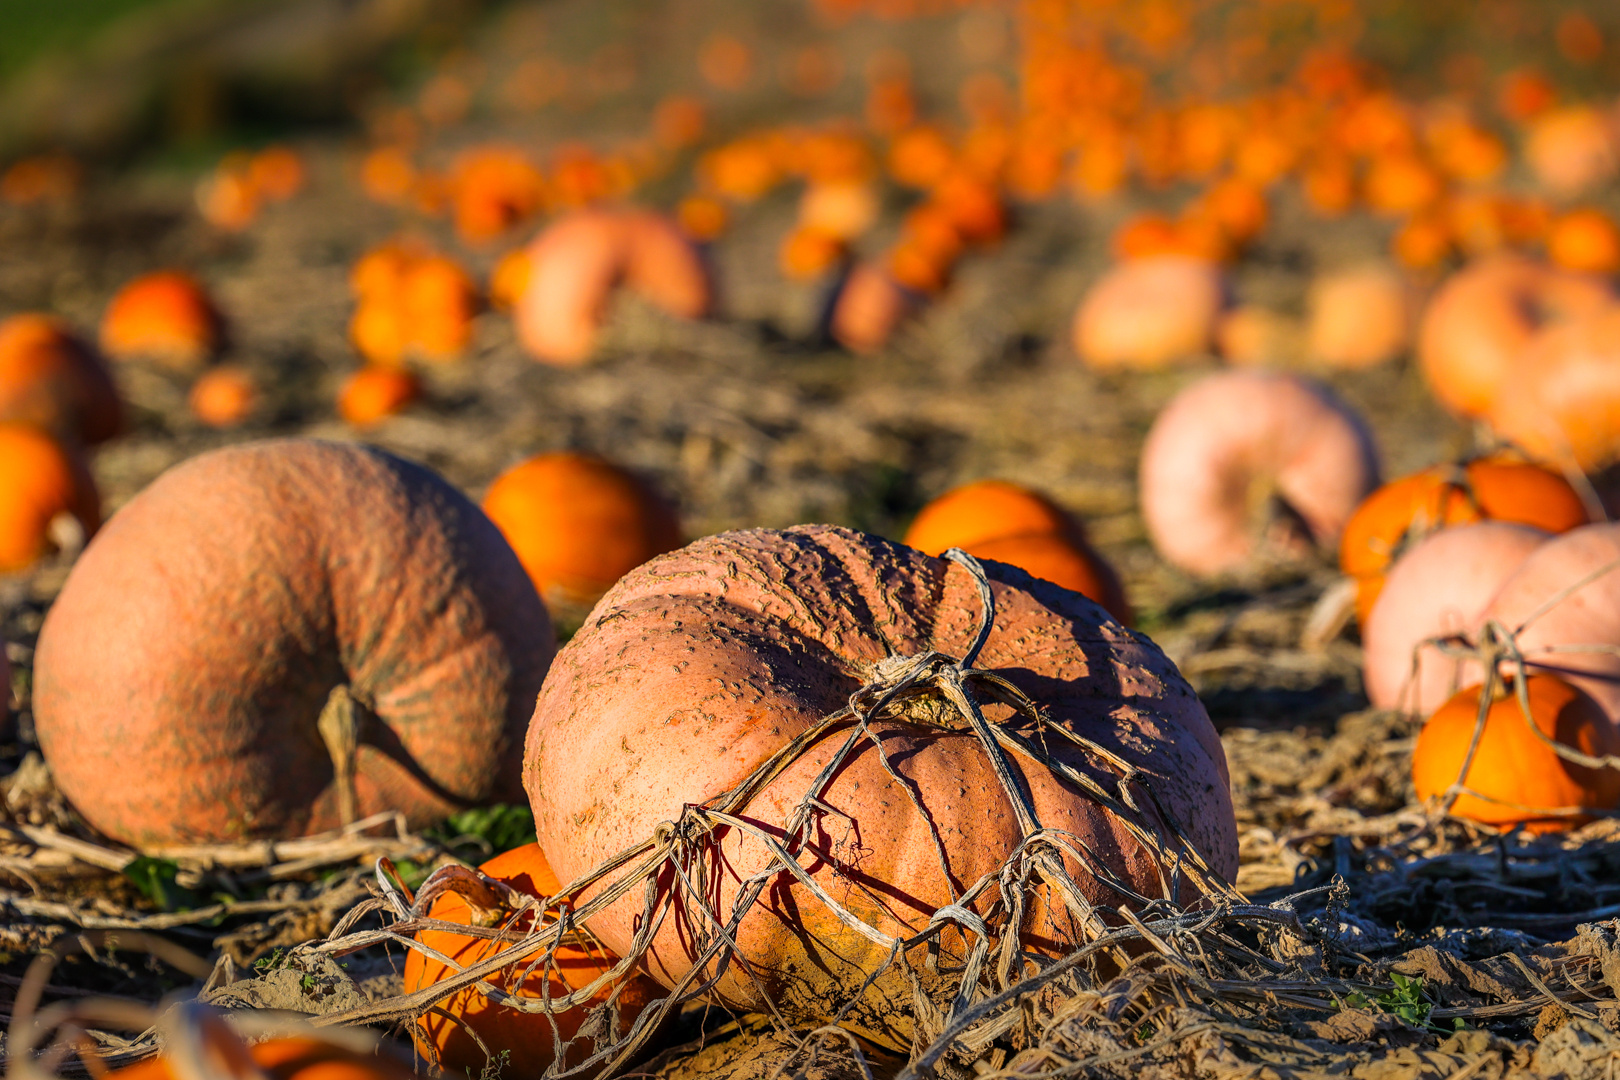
[(699, 664), (197, 639)]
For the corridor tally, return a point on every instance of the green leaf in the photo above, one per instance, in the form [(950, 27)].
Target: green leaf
[(503, 827), (156, 880)]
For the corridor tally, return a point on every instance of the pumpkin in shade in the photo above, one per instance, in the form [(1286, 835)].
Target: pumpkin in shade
[(868, 309), (579, 523), (1563, 605), (166, 317), (375, 393), (1518, 777), (52, 379), (743, 641), (994, 519), (290, 1058), (1246, 461), (40, 482), (223, 397), (1404, 511), (1483, 318), (1359, 317), (1440, 587), (447, 1035), (1149, 313), (578, 261), (379, 625)]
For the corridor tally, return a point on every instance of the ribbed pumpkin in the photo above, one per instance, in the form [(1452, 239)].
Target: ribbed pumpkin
[(579, 523), (39, 480), (201, 637), (525, 1038), (52, 379), (712, 657), (1243, 462), (1483, 318), (1520, 775), (1404, 511), (994, 519)]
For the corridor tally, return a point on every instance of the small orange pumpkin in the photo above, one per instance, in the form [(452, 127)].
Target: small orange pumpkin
[(579, 523), (1586, 241), (457, 1032), (166, 317), (39, 480), (224, 397), (869, 307), (375, 393), (1519, 777), (1359, 317), (52, 379), (1149, 313), (1405, 511), (1572, 149), (1009, 523)]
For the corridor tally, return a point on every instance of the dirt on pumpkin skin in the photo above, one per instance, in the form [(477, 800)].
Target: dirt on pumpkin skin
[(751, 419)]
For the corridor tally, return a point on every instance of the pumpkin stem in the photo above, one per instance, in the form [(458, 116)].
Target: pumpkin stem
[(340, 722)]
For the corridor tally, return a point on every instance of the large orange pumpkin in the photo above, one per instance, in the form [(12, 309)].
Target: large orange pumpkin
[(579, 523), (39, 481), (452, 1034), (1519, 775), (1404, 511), (1481, 321), (1245, 461), (52, 379), (712, 658), (994, 519), (338, 566), (166, 317)]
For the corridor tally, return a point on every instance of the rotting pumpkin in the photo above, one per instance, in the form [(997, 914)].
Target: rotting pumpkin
[(338, 632), (723, 661)]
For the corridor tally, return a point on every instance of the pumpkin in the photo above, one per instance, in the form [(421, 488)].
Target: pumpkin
[(1253, 336), (166, 317), (1359, 317), (52, 379), (223, 397), (1149, 313), (575, 264), (869, 306), (378, 625), (39, 482), (1440, 586), (1586, 241), (1482, 319), (492, 189), (723, 652), (1563, 604), (1561, 400), (1405, 511), (277, 173), (843, 208), (1572, 149), (579, 523), (807, 253), (994, 519), (299, 1057), (412, 301), (447, 1035), (1519, 776), (1401, 183), (375, 393), (508, 280), (1245, 460)]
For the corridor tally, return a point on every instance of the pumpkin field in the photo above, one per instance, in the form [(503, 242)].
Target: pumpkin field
[(810, 539)]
